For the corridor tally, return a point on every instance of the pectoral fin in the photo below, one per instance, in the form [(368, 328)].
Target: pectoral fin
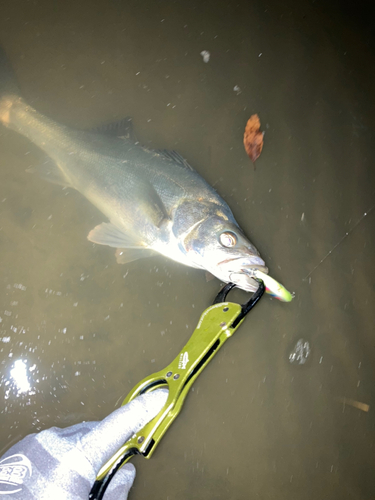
[(152, 205)]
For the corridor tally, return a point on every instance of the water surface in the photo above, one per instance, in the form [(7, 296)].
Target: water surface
[(79, 331)]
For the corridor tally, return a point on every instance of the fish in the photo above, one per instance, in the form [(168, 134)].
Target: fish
[(155, 202)]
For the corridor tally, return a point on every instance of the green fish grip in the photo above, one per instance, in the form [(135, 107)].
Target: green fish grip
[(216, 324)]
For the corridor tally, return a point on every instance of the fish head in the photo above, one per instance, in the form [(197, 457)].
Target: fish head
[(219, 246)]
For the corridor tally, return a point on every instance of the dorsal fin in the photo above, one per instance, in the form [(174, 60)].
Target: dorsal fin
[(174, 156), (122, 128)]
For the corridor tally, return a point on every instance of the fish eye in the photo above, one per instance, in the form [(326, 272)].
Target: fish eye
[(228, 239)]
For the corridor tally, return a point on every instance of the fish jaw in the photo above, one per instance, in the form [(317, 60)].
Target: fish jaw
[(242, 271)]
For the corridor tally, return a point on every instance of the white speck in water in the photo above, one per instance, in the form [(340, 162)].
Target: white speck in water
[(260, 55), (77, 374), (303, 216), (237, 89), (19, 286), (49, 217), (206, 55), (321, 360), (75, 304), (5, 340), (152, 361), (106, 318)]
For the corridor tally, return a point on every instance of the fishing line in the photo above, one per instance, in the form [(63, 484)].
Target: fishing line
[(340, 241)]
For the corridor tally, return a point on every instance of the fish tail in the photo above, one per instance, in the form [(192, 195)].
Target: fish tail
[(9, 91)]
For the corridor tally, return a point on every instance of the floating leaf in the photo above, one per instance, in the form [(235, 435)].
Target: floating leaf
[(253, 138)]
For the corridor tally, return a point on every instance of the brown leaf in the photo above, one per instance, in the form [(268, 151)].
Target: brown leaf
[(253, 138)]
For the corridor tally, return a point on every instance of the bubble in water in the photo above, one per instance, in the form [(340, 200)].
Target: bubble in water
[(300, 352)]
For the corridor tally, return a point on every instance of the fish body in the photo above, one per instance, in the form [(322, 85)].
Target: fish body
[(155, 201)]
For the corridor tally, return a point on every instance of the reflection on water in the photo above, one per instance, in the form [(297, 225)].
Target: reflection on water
[(77, 331), (19, 380)]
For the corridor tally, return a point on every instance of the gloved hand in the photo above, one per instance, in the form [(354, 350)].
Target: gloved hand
[(62, 464)]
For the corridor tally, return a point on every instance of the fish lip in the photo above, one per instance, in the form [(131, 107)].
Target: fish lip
[(248, 271), (258, 261)]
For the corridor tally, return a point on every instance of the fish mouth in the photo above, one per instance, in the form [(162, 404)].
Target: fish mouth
[(244, 280), (241, 271), (249, 270), (245, 265)]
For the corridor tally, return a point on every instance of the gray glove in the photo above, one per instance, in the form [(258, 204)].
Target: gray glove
[(62, 464)]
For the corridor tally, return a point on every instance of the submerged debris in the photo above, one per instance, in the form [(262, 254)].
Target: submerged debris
[(253, 138), (300, 352), (206, 55), (355, 404)]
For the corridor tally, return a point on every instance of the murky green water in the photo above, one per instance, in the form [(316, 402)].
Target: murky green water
[(255, 426)]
